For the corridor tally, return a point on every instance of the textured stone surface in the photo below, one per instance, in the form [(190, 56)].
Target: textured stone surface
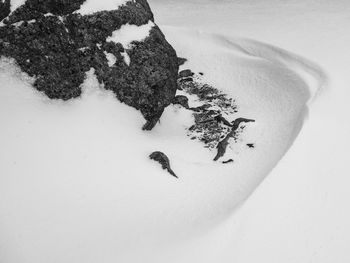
[(4, 8), (57, 46)]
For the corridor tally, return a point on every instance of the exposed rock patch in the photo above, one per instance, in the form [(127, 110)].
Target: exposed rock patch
[(214, 125), (181, 100), (185, 73), (181, 61), (163, 160), (222, 145), (57, 46)]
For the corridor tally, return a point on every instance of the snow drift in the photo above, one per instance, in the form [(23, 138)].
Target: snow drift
[(77, 186)]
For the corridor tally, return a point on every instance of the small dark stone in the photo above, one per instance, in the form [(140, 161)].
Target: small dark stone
[(163, 160), (201, 73), (251, 145), (185, 73), (203, 107), (181, 61), (181, 100), (228, 161), (189, 79)]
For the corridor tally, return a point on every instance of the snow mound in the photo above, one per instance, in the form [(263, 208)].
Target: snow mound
[(76, 178)]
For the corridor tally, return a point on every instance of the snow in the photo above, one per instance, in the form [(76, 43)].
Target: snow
[(110, 58), (300, 213), (16, 3), (126, 57), (76, 184), (93, 6), (129, 33)]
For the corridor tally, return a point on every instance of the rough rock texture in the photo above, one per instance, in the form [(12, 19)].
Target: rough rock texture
[(4, 8), (57, 47)]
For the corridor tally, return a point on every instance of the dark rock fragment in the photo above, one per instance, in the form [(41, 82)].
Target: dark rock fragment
[(163, 160), (181, 100), (186, 79), (181, 61), (251, 145), (185, 73), (201, 108), (228, 161)]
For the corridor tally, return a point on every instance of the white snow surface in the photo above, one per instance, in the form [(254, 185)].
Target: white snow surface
[(126, 57), (111, 59), (126, 34), (16, 3), (93, 6), (76, 184)]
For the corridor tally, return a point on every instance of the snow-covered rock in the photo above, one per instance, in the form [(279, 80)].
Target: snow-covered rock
[(57, 42)]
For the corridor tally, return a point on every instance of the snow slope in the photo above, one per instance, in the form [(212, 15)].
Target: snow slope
[(93, 191), (76, 184), (300, 213)]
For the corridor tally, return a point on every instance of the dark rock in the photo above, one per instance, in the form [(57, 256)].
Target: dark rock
[(163, 160), (201, 73), (201, 108), (181, 61), (186, 79), (225, 142), (185, 73), (221, 119), (4, 9), (251, 145), (181, 100), (228, 161), (59, 49)]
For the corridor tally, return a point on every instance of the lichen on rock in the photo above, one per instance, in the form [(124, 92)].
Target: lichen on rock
[(52, 42)]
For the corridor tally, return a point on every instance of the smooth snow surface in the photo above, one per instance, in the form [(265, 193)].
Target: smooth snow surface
[(93, 6), (129, 33)]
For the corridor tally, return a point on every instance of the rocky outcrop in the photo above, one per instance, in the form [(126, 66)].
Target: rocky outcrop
[(52, 42)]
